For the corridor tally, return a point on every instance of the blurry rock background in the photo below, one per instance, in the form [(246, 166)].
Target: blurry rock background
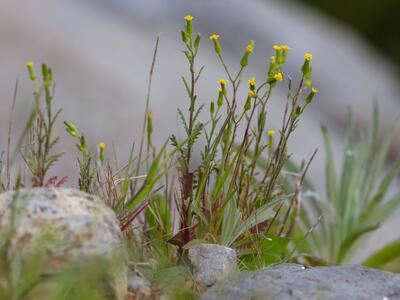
[(100, 51)]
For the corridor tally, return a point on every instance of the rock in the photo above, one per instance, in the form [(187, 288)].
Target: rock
[(138, 286), (212, 263), (137, 282), (68, 225), (292, 281)]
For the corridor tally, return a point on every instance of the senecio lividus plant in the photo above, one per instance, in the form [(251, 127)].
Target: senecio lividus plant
[(226, 198)]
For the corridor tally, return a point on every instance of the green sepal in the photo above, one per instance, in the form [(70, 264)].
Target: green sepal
[(247, 105), (245, 60)]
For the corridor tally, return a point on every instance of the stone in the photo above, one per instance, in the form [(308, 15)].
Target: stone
[(66, 224), (295, 282), (139, 287), (212, 263), (137, 281)]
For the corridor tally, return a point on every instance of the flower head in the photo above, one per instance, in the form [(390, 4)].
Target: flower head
[(31, 70), (249, 48), (272, 59), (189, 18), (308, 56), (278, 76), (252, 81), (223, 81), (214, 37), (271, 133), (220, 90), (102, 146), (251, 94), (285, 48), (277, 48), (314, 90)]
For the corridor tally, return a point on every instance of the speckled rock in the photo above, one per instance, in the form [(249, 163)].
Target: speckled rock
[(212, 263), (138, 285), (294, 282), (68, 225)]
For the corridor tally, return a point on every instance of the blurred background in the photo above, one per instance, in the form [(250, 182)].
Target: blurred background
[(101, 50), (376, 21)]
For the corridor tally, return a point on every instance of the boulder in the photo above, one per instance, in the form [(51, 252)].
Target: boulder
[(295, 282), (212, 263), (67, 225)]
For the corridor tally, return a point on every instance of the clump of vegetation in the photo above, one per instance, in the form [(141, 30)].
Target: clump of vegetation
[(244, 193), (356, 203)]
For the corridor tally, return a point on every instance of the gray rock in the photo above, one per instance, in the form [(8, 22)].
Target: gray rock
[(212, 262), (292, 281), (137, 281), (66, 224)]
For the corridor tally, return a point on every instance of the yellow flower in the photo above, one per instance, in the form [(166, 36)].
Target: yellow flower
[(252, 81), (271, 133), (251, 94), (223, 81), (102, 146), (278, 76), (189, 18), (277, 48), (249, 48), (285, 48), (272, 59), (220, 90), (314, 91), (308, 56), (29, 64), (214, 37)]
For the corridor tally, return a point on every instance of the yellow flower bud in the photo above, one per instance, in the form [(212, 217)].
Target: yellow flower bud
[(252, 81), (214, 37), (188, 18), (217, 46), (271, 133), (223, 81), (278, 76), (251, 94), (102, 146), (249, 48), (308, 56), (277, 48), (285, 48), (31, 70), (272, 59), (314, 91)]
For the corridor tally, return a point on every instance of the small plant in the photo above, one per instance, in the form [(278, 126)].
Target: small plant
[(38, 153), (86, 173), (357, 202), (227, 199)]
